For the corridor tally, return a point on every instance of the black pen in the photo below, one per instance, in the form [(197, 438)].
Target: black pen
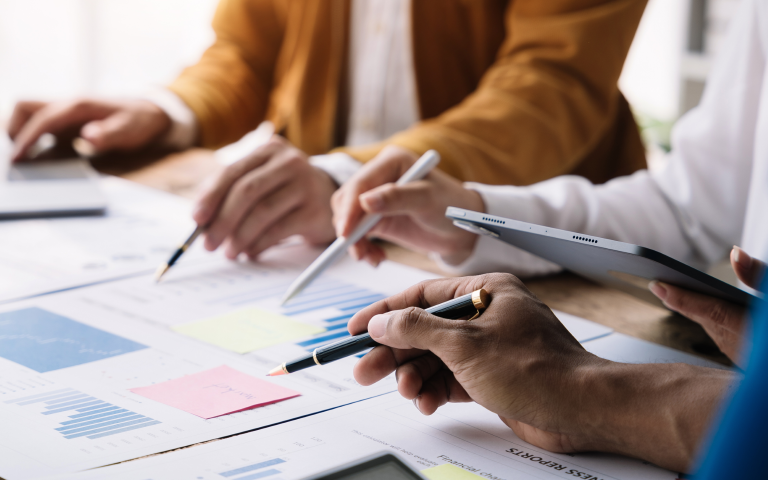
[(178, 253), (464, 306)]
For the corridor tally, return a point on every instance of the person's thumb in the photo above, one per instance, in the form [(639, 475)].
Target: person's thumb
[(414, 328), (749, 270)]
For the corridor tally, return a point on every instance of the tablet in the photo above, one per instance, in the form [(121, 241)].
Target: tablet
[(623, 265)]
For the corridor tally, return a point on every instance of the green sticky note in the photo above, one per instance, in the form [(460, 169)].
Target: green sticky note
[(247, 330), (447, 471)]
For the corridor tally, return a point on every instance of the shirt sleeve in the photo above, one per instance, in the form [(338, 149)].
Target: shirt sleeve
[(692, 209), (229, 88), (339, 166), (184, 127), (551, 95), (628, 209)]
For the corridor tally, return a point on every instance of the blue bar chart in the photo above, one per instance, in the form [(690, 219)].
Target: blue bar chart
[(250, 470), (90, 417), (334, 295)]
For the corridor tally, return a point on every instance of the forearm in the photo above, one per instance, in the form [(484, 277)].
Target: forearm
[(228, 89), (657, 412)]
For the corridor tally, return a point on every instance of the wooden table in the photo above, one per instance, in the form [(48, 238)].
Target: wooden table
[(183, 174)]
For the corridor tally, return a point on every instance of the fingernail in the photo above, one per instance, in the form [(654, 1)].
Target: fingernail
[(741, 257), (377, 327), (91, 131), (354, 254), (340, 229), (658, 289), (372, 202)]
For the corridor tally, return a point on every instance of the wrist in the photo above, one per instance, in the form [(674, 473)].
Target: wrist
[(656, 412)]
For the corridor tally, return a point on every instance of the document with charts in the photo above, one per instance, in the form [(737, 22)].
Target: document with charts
[(460, 441), (68, 409), (68, 360), (140, 231)]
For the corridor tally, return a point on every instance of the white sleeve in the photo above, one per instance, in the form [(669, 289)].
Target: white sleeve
[(628, 209), (183, 131), (693, 209), (339, 166)]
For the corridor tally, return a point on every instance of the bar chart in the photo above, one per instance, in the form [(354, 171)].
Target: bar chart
[(91, 417), (250, 470)]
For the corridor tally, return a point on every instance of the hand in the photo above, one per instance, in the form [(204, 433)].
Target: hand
[(414, 214), (518, 361), (268, 196), (724, 321), (107, 124)]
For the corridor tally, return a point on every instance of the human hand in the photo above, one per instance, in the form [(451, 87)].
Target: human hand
[(269, 195), (106, 124), (724, 321), (414, 214), (516, 359)]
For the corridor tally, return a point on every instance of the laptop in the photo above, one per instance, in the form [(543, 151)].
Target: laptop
[(48, 188)]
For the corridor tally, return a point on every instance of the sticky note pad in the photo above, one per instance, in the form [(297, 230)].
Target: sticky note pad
[(248, 330), (215, 392), (449, 472)]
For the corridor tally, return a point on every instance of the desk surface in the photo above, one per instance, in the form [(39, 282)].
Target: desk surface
[(183, 174)]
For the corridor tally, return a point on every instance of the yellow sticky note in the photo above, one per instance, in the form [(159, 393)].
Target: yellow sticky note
[(248, 330), (447, 471)]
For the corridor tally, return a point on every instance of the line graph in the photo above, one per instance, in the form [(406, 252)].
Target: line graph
[(44, 341)]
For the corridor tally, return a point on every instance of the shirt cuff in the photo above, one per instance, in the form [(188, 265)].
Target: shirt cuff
[(184, 127), (339, 166)]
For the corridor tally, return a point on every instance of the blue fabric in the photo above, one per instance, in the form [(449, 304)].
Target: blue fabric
[(741, 438)]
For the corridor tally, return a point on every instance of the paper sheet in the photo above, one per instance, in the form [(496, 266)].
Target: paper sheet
[(248, 329), (449, 471), (460, 441), (107, 423), (215, 392), (140, 231)]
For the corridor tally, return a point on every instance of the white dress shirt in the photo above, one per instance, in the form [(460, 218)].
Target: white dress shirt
[(712, 194), (383, 99)]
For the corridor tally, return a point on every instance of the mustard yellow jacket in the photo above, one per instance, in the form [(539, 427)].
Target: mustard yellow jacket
[(510, 91)]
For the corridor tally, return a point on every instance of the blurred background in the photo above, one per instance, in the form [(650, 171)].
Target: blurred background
[(59, 48)]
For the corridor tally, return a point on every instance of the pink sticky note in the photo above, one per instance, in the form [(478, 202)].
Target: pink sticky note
[(215, 392)]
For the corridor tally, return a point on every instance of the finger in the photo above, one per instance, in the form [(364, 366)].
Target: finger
[(114, 132), (54, 119), (262, 216), (380, 362), (368, 251), (393, 199), (438, 390), (211, 199), (412, 375), (22, 112), (381, 170), (703, 309), (424, 294), (415, 328), (246, 193), (749, 270), (295, 223)]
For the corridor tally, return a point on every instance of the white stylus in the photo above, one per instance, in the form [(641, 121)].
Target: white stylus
[(419, 170)]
